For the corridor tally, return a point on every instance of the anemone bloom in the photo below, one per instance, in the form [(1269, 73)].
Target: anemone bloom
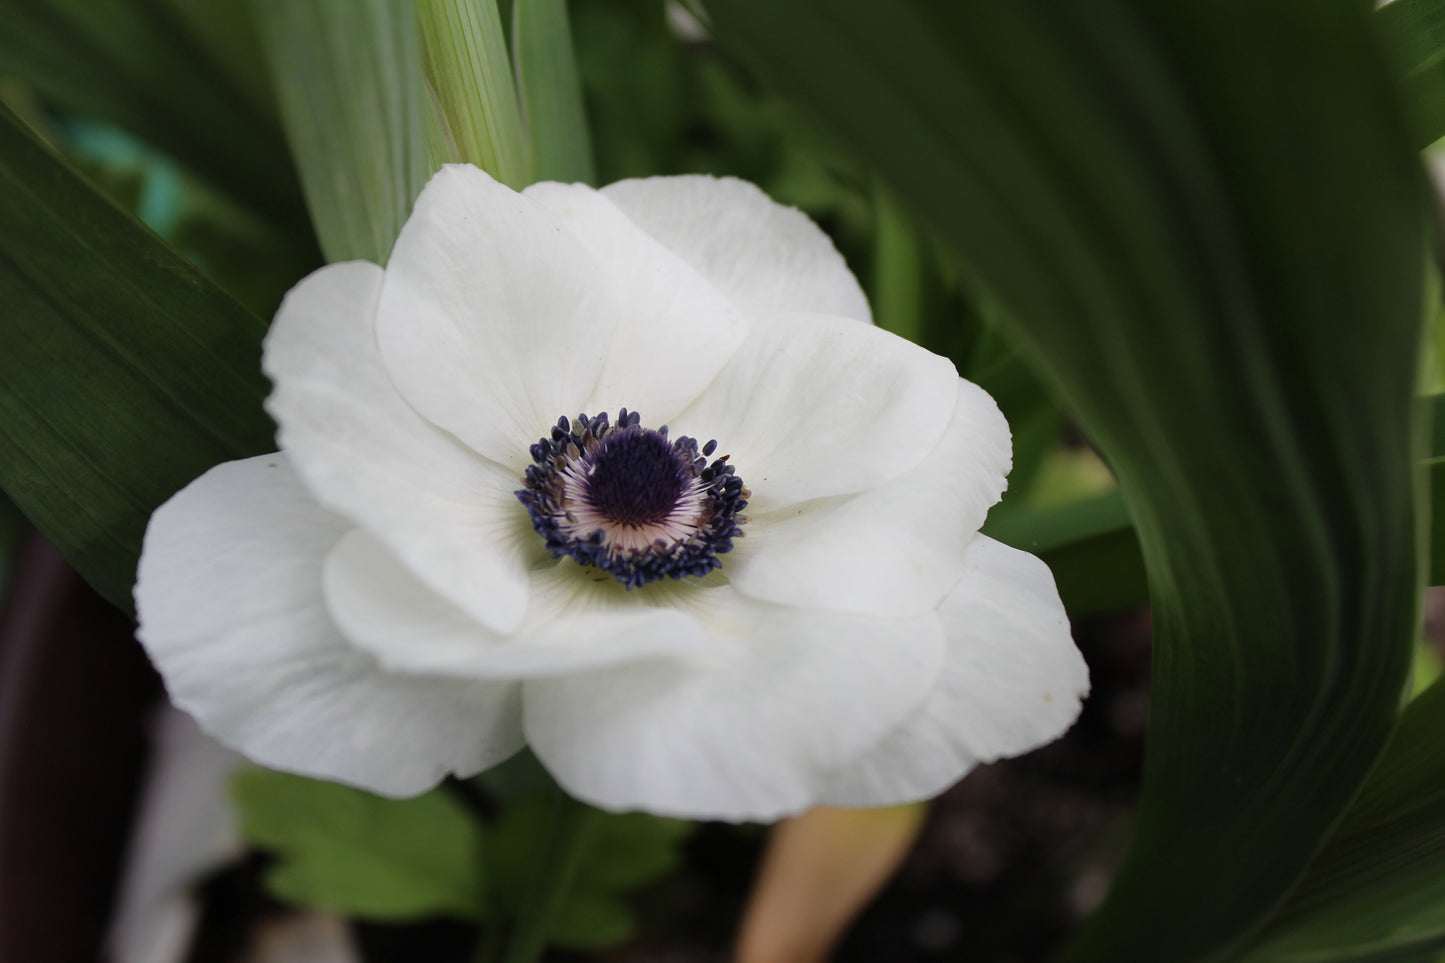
[(627, 476)]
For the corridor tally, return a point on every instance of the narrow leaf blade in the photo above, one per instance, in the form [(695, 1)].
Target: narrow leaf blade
[(352, 93), (470, 72), (124, 372), (551, 92)]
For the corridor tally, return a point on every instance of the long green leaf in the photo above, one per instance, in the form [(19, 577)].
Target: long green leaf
[(124, 372), (137, 64), (551, 92), (1171, 236), (1091, 547), (470, 73), (348, 74), (1377, 891)]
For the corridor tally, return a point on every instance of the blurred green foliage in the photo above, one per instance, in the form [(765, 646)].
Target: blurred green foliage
[(442, 854), (621, 853), (350, 851)]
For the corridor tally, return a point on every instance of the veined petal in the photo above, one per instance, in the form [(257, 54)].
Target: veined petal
[(230, 607), (448, 513), (892, 551), (495, 319), (575, 623), (766, 258), (746, 729), (679, 331), (813, 406), (1012, 680)]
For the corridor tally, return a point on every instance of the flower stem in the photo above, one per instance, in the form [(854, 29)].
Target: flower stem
[(556, 863)]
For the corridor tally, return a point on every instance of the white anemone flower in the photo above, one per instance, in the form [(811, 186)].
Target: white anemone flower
[(629, 477)]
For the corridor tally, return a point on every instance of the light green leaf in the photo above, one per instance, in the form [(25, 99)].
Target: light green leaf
[(346, 850), (139, 66), (1165, 232), (471, 76), (124, 372), (551, 92), (348, 75), (896, 291)]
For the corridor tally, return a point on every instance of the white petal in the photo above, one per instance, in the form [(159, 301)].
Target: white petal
[(813, 406), (765, 257), (575, 623), (1012, 680), (448, 513), (895, 550), (495, 319), (230, 608), (743, 731), (678, 332)]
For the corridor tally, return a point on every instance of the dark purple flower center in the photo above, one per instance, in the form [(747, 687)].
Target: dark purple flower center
[(630, 501), (636, 476)]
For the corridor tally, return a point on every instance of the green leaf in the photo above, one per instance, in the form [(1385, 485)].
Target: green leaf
[(124, 372), (628, 850), (551, 92), (896, 291), (346, 850), (621, 853), (592, 921), (1414, 32), (1435, 480), (471, 74), (1377, 890), (1091, 547), (226, 35), (348, 75), (1165, 231), (1436, 469), (139, 65)]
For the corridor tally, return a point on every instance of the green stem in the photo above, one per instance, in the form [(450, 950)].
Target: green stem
[(557, 858)]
